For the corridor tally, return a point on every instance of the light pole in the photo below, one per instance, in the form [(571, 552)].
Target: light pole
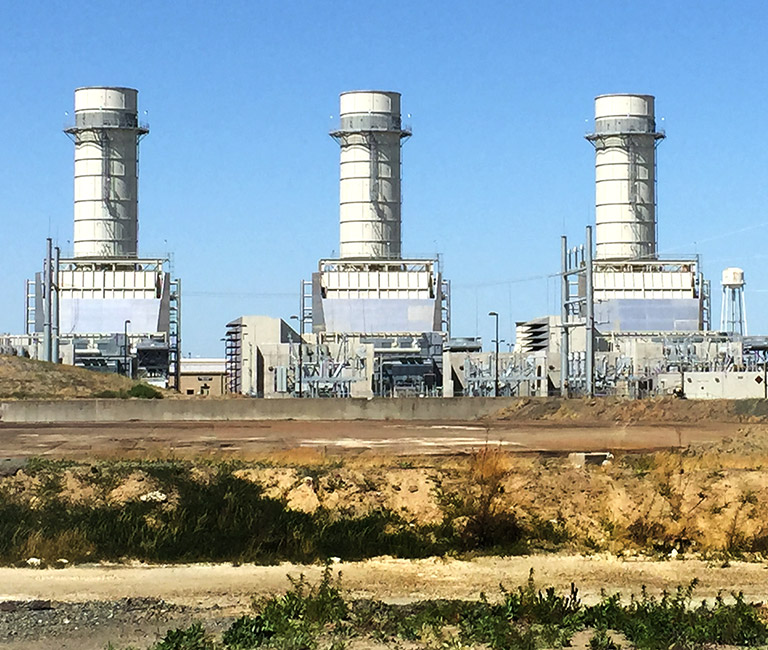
[(496, 368), (301, 358), (125, 348)]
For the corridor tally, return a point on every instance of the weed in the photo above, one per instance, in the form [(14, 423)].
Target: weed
[(70, 544), (483, 522), (602, 641), (550, 532), (294, 619), (248, 632), (37, 465), (525, 618), (321, 604), (670, 621), (193, 638), (640, 464)]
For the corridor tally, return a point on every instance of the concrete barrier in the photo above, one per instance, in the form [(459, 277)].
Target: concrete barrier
[(179, 410)]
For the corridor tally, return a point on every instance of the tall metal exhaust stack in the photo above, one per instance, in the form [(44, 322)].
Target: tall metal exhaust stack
[(370, 134), (625, 140), (106, 133)]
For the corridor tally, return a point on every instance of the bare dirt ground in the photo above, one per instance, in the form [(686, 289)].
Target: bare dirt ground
[(216, 594), (388, 579), (251, 439)]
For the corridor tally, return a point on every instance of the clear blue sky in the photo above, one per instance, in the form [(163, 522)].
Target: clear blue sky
[(240, 179)]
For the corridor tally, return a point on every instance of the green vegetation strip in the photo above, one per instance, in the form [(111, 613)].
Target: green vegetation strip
[(309, 617)]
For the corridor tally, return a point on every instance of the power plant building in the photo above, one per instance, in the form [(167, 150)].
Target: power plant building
[(371, 322), (106, 308), (371, 289)]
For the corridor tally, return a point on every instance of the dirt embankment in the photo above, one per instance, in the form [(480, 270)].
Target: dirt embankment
[(709, 498), (585, 411), (22, 378)]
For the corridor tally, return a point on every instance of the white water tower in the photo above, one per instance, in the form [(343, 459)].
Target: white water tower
[(733, 311)]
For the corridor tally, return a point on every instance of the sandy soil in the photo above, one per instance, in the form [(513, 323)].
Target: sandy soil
[(392, 580), (216, 592)]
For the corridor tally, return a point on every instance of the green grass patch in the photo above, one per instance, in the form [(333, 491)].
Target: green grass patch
[(140, 391)]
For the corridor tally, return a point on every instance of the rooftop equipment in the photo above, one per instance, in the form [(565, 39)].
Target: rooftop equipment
[(106, 133), (625, 140), (369, 134)]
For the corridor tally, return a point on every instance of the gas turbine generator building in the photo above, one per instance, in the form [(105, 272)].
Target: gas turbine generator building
[(105, 308), (634, 323), (370, 322)]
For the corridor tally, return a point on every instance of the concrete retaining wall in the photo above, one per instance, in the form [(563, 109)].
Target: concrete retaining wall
[(170, 410)]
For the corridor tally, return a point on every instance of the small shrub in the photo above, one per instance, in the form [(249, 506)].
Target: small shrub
[(475, 508), (141, 391), (670, 621), (248, 632), (293, 620), (144, 391), (319, 604)]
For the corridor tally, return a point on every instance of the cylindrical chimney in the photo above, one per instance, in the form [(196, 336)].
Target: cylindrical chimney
[(106, 133), (369, 190), (625, 140)]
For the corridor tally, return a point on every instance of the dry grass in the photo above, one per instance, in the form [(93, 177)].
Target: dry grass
[(22, 378), (70, 545)]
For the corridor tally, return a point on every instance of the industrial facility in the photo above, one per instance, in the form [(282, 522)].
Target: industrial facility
[(372, 323), (375, 323), (105, 308)]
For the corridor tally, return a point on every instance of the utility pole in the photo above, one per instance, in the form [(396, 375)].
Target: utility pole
[(495, 315), (55, 303), (564, 299)]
